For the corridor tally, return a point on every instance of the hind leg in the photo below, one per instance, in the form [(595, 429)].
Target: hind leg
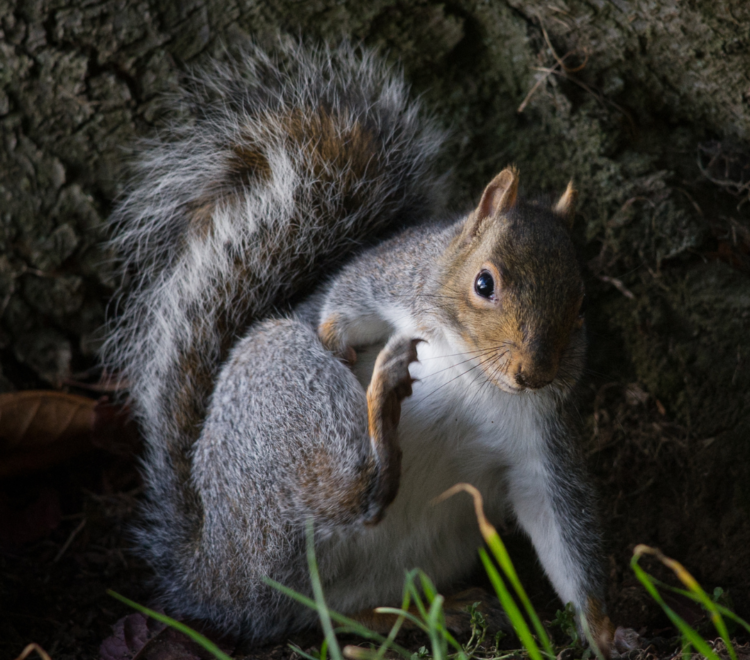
[(290, 436)]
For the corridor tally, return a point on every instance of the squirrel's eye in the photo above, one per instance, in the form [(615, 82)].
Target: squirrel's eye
[(584, 305), (484, 285)]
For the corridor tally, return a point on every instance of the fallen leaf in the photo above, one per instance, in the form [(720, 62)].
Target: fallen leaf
[(39, 428), (172, 645), (36, 418), (129, 635), (138, 637)]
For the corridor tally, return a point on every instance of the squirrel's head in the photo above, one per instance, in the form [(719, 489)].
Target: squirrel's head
[(513, 288)]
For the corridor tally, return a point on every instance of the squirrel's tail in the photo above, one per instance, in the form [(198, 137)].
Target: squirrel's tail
[(284, 168)]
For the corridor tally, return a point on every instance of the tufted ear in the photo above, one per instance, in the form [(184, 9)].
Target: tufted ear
[(498, 198), (566, 206)]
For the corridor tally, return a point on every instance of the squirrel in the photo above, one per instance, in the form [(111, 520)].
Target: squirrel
[(306, 337)]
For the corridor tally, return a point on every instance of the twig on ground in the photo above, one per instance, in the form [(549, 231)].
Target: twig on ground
[(618, 285), (67, 543), (30, 649)]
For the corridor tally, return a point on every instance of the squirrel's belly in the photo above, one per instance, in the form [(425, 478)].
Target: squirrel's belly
[(440, 538)]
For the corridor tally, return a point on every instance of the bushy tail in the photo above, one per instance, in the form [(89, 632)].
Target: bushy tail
[(285, 168)]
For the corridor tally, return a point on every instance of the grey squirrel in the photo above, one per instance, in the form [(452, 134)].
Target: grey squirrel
[(282, 370)]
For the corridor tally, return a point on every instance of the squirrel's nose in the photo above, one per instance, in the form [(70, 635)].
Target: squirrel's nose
[(533, 381)]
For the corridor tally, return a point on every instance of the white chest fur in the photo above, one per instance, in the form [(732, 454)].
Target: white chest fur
[(456, 427)]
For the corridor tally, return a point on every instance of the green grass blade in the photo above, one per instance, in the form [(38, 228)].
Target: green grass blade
[(510, 607), (502, 557), (348, 625), (450, 639), (415, 596), (713, 610), (386, 645), (401, 616), (181, 627), (688, 633), (724, 611), (302, 653), (687, 649), (436, 614), (391, 636), (435, 626), (427, 587), (497, 547), (589, 637), (430, 620), (417, 621), (692, 585), (320, 603)]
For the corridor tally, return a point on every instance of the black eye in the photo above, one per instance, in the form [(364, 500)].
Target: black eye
[(584, 305), (484, 285)]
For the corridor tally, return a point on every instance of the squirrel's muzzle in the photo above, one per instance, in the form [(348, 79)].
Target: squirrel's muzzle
[(533, 380), (534, 367)]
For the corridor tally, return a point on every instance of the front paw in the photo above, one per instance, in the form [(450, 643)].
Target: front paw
[(332, 336), (390, 384)]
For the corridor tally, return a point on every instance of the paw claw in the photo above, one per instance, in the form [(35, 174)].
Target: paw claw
[(392, 366)]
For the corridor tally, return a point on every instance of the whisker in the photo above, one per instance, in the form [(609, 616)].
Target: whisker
[(435, 373), (478, 351), (490, 377), (459, 376)]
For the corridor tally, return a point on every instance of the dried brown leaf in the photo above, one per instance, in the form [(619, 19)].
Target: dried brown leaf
[(129, 635), (39, 428), (36, 418), (137, 637)]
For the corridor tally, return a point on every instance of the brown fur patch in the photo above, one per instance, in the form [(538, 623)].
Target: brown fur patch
[(201, 213), (323, 491), (602, 629), (329, 333), (195, 386), (336, 149), (247, 165)]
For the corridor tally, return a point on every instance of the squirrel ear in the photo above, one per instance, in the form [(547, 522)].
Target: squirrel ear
[(566, 206), (498, 197)]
